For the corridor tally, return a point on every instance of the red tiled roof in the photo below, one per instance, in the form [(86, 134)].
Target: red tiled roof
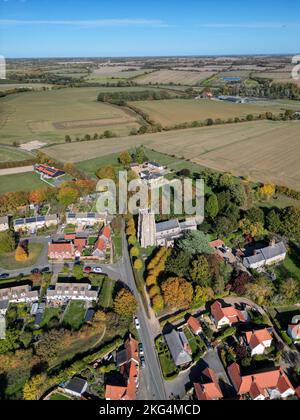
[(210, 390), (217, 243), (194, 324), (114, 392), (100, 244), (60, 248), (107, 232), (70, 236), (80, 243), (230, 312), (254, 338)]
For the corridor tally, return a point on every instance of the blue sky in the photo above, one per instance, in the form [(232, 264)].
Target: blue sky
[(65, 28)]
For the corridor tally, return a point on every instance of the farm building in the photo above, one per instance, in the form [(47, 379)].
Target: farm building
[(48, 171)]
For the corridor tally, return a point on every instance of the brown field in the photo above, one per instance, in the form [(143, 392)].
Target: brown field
[(264, 150), (174, 111), (174, 76), (278, 76)]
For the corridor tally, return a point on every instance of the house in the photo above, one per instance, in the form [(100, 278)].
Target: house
[(103, 244), (179, 347), (4, 223), (272, 254), (89, 315), (83, 220), (63, 292), (162, 233), (32, 224), (48, 171), (61, 251), (272, 384), (126, 384), (217, 244), (228, 315), (39, 314), (76, 386), (208, 388), (195, 325), (2, 327), (258, 341), (294, 328), (18, 294), (4, 304)]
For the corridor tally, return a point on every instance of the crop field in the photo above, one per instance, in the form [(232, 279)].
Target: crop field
[(264, 150), (174, 111), (107, 73), (174, 76), (33, 86), (48, 116), (20, 182), (276, 76), (9, 154)]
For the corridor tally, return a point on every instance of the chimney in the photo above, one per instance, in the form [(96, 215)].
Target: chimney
[(272, 242)]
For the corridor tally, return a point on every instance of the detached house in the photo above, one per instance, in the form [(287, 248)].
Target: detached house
[(269, 385), (179, 347), (272, 254), (258, 340), (208, 388), (228, 315), (125, 386)]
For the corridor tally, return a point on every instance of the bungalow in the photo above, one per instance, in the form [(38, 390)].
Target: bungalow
[(4, 223), (61, 251), (83, 220), (125, 387), (208, 388), (272, 254), (18, 294), (228, 315), (179, 347), (195, 325), (76, 387), (48, 171), (270, 385), (63, 292), (34, 223), (258, 341)]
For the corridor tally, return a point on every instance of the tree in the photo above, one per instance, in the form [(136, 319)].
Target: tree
[(67, 196), (78, 271), (195, 242), (134, 252), (68, 139), (125, 304), (253, 229), (203, 294), (289, 289), (267, 190), (178, 262), (273, 221), (238, 194), (177, 292), (224, 226), (7, 241), (212, 206), (158, 303), (140, 155), (33, 388), (255, 215), (260, 290), (125, 158), (21, 254), (107, 172), (138, 264), (200, 271), (226, 180), (132, 240), (154, 291), (224, 199), (239, 284), (291, 221)]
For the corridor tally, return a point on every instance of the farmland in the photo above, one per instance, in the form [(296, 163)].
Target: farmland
[(20, 182), (113, 73), (9, 154), (174, 76), (50, 115), (175, 111), (263, 150)]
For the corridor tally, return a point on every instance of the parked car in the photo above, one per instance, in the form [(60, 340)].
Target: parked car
[(141, 349), (87, 269), (4, 276), (142, 360), (35, 271), (45, 270), (137, 323), (97, 270)]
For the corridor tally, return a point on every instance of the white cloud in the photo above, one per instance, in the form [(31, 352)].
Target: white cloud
[(250, 25), (87, 23)]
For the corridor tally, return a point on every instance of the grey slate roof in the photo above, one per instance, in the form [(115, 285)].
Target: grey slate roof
[(2, 327), (4, 304), (266, 253), (4, 219), (175, 342), (77, 385), (168, 225)]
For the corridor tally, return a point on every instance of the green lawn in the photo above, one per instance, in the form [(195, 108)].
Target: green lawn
[(20, 182), (57, 396), (167, 364), (105, 297), (8, 262), (9, 154), (117, 241), (195, 342), (74, 315), (49, 314), (92, 165), (291, 265)]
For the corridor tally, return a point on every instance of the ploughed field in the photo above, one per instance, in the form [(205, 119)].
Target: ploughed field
[(183, 77), (264, 150)]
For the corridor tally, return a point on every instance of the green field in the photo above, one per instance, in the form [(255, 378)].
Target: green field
[(10, 154), (175, 111), (50, 115), (8, 262), (74, 315), (105, 296), (20, 182)]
